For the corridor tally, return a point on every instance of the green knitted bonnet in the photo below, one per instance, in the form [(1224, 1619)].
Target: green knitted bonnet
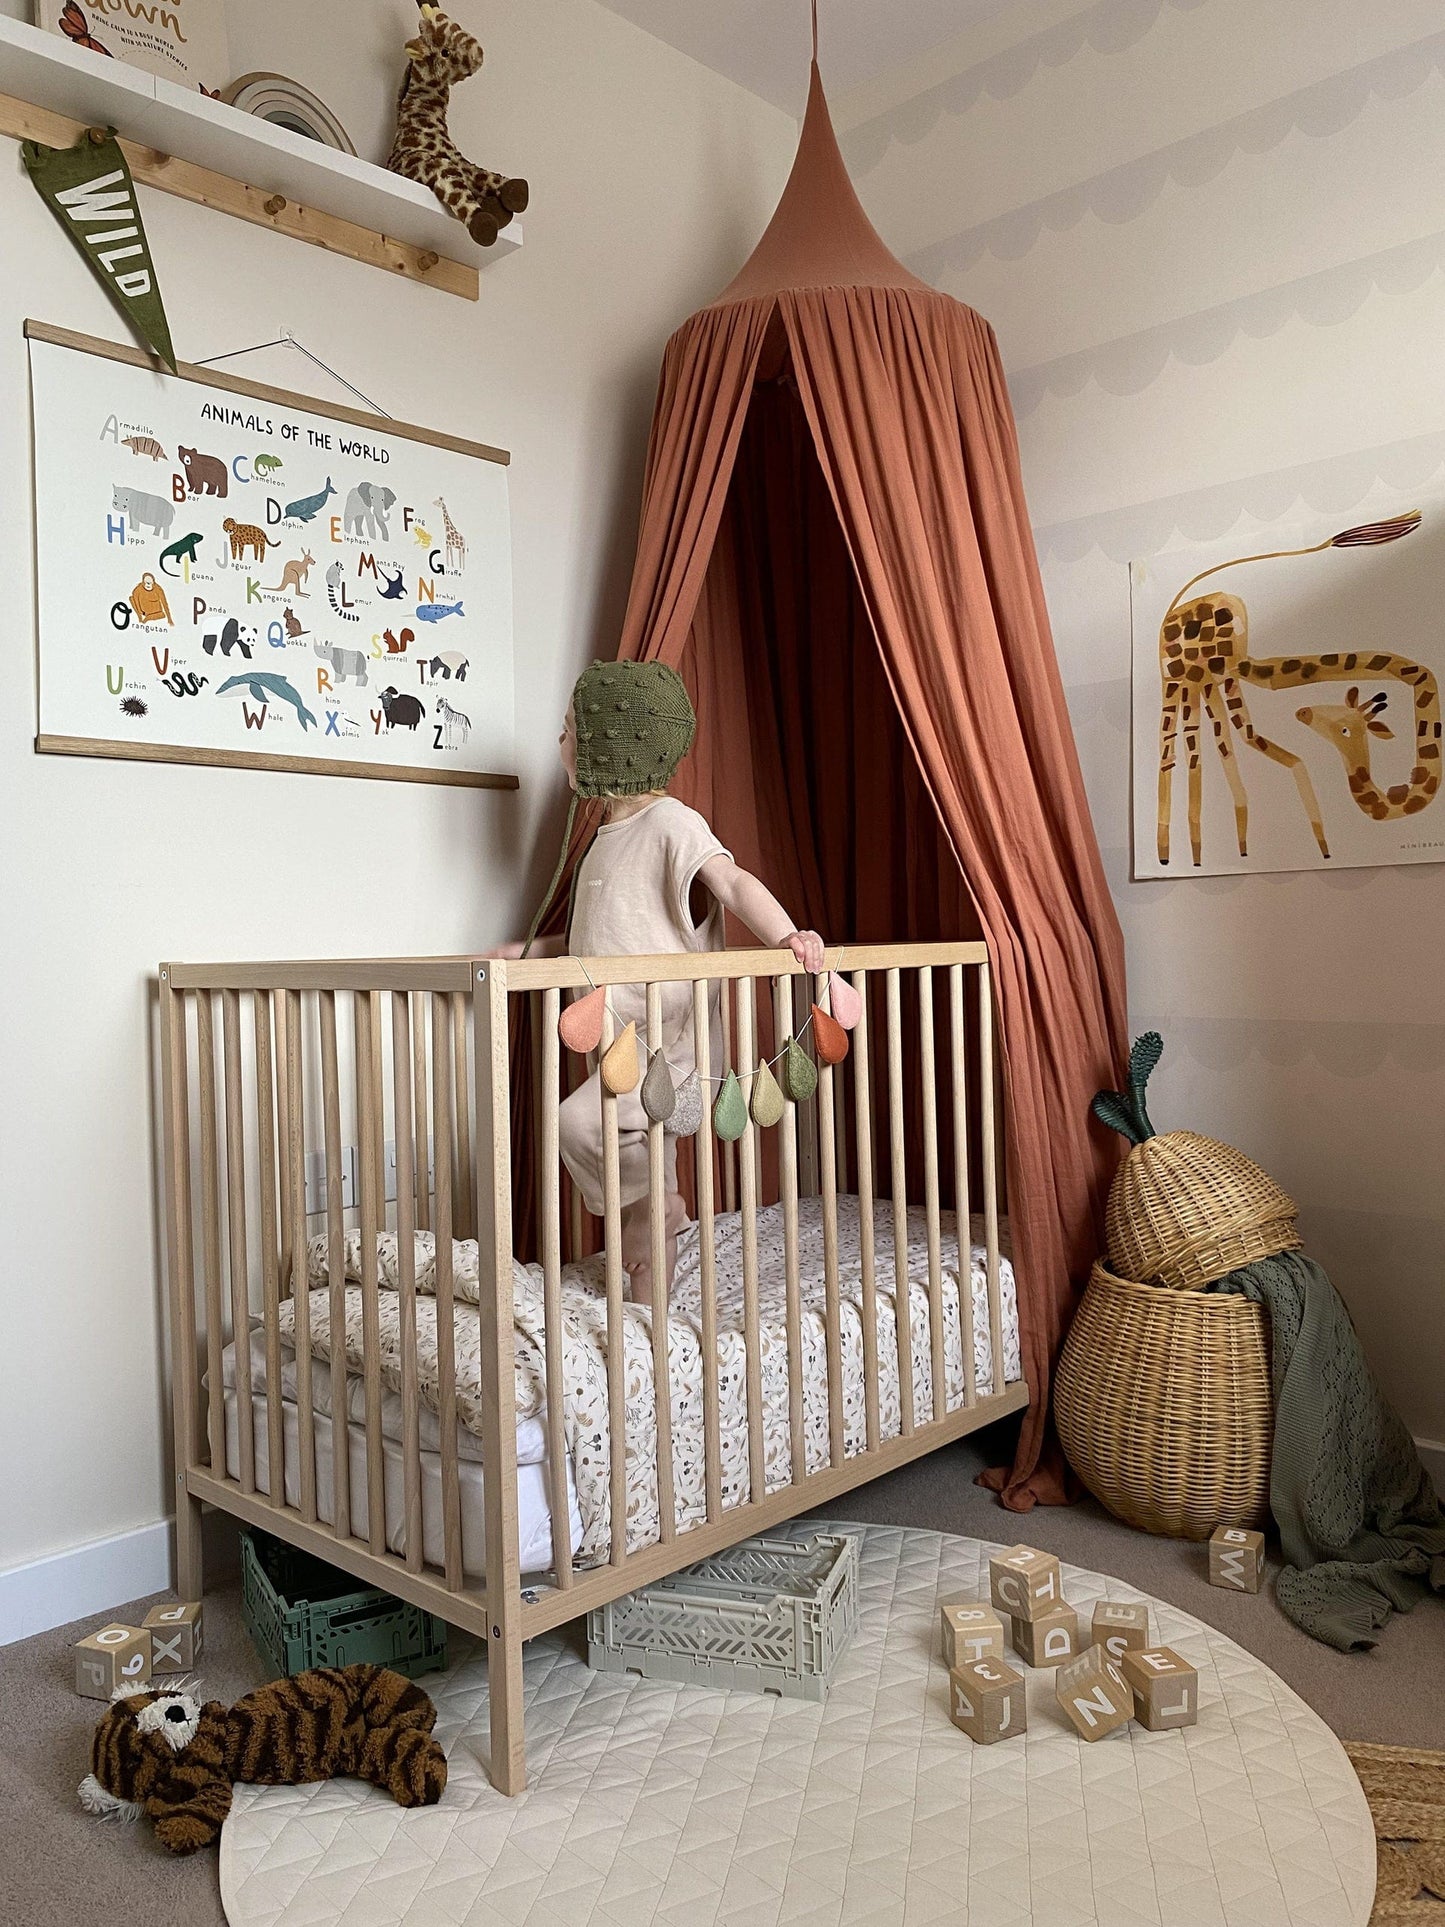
[(635, 723)]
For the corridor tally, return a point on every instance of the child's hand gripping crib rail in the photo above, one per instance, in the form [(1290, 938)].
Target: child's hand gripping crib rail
[(477, 1418)]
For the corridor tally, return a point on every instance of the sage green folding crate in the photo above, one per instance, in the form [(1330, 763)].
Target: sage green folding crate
[(771, 1615), (300, 1612)]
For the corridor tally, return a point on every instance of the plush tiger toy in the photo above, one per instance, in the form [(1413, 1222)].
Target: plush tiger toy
[(172, 1758)]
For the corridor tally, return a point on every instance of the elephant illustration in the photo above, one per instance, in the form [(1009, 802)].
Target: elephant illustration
[(367, 508)]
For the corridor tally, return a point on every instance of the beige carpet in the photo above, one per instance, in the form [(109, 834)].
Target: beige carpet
[(61, 1868), (1406, 1792)]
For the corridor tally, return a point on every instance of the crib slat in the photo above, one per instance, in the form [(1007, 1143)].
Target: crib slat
[(840, 1117), (576, 1074), (988, 1142), (832, 1314), (211, 1230), (335, 1267), (901, 1294), (464, 1189), (550, 1161), (406, 1275), (270, 1272), (729, 1152), (788, 1184), (748, 1173), (929, 1088), (420, 1111), (295, 1157), (283, 1156), (612, 1261), (236, 1225), (958, 1038), (369, 1189), (441, 1081), (707, 1255), (863, 1131), (661, 1348)]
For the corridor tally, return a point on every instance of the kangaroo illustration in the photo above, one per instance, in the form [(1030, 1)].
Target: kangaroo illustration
[(293, 576)]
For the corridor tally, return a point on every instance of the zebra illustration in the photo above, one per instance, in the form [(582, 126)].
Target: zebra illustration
[(455, 725)]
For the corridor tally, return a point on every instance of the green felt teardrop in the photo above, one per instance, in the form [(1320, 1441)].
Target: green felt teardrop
[(767, 1105), (730, 1113), (800, 1073), (659, 1098)]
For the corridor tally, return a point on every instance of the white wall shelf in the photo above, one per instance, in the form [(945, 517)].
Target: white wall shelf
[(204, 151)]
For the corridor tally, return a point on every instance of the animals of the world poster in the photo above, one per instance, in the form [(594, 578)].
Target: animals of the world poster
[(231, 574), (1286, 699)]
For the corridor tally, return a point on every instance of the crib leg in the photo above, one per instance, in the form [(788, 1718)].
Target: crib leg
[(508, 1767), (190, 1577)]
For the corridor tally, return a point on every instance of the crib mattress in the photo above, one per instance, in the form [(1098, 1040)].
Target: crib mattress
[(584, 1350)]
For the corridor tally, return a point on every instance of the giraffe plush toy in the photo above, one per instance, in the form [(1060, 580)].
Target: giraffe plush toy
[(440, 58)]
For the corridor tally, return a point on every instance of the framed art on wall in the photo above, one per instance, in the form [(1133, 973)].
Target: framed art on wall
[(235, 574)]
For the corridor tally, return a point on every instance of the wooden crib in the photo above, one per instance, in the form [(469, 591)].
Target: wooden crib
[(271, 1072)]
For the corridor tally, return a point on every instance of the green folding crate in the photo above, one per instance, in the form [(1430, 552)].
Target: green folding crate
[(771, 1615), (301, 1612)]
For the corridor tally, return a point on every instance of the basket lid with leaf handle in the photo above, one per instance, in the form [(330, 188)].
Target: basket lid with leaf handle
[(1185, 1209)]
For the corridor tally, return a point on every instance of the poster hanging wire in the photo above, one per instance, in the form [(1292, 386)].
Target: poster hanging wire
[(287, 340)]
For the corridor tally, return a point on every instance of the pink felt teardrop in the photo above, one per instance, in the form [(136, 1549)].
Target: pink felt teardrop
[(580, 1025), (847, 1005), (830, 1040)]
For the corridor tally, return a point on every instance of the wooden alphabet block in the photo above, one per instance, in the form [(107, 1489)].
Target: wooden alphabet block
[(970, 1630), (115, 1656), (1095, 1696), (177, 1636), (1165, 1688), (987, 1700), (1050, 1640), (1025, 1583), (1236, 1558), (1119, 1627)]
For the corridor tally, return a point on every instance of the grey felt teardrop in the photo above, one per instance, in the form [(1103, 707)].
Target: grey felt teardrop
[(730, 1113), (800, 1073), (687, 1108), (659, 1097)]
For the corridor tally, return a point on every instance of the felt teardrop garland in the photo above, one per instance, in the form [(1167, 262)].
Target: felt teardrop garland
[(846, 1004), (768, 1102), (799, 1072), (580, 1025), (830, 1040), (730, 1113), (620, 1068), (659, 1096), (687, 1107)]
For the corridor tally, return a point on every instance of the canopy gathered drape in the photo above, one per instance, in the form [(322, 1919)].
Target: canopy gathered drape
[(829, 383)]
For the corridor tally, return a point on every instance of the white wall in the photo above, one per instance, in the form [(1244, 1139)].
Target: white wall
[(650, 180), (1211, 235)]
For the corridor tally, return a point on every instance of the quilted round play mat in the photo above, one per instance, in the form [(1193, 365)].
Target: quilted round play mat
[(682, 1806)]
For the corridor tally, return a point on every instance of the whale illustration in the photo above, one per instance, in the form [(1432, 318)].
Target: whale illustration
[(437, 611), (263, 687)]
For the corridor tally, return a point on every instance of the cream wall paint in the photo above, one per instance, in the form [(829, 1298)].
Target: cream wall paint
[(1211, 237), (650, 178)]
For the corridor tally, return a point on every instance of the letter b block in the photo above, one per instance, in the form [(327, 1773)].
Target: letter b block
[(1095, 1696), (1025, 1582), (116, 1656), (176, 1637), (986, 1700), (1120, 1628), (970, 1631), (1236, 1558), (1050, 1640), (1165, 1688)]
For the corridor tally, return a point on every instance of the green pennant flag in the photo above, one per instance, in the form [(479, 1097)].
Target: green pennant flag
[(89, 189)]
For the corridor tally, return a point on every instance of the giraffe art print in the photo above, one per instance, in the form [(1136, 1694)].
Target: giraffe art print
[(1299, 728)]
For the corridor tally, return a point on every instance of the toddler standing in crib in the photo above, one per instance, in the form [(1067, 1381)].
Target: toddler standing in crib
[(655, 880)]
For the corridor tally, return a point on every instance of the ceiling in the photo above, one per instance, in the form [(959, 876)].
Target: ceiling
[(764, 44)]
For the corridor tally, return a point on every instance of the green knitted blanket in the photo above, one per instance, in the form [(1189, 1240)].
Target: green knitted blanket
[(1360, 1527)]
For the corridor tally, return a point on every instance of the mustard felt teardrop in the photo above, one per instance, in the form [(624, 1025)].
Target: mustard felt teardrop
[(659, 1096), (846, 1004), (767, 1105), (830, 1040), (800, 1073), (620, 1068), (730, 1113), (687, 1108), (580, 1025)]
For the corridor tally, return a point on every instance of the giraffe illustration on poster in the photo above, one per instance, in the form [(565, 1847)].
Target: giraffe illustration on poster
[(1374, 701)]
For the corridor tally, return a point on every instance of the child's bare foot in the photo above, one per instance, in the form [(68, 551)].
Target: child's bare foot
[(637, 1245)]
